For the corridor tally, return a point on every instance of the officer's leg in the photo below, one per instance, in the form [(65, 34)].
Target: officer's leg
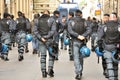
[(65, 46), (115, 65), (110, 67), (92, 42), (43, 50), (57, 48), (7, 41), (71, 51), (104, 66), (26, 48), (13, 42), (62, 42), (34, 46), (4, 56), (77, 64), (50, 66), (20, 51)]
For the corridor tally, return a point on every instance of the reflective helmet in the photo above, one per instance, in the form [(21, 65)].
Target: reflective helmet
[(52, 52), (53, 49), (29, 37), (99, 53), (85, 51), (116, 56), (4, 48), (66, 41)]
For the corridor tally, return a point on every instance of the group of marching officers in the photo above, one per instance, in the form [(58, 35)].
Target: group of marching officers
[(49, 32)]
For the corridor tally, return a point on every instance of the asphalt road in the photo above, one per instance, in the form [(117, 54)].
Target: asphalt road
[(29, 68)]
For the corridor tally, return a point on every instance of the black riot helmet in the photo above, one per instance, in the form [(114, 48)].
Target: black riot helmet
[(5, 15), (78, 13), (56, 13), (20, 13)]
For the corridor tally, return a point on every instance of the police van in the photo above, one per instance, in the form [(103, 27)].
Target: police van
[(65, 8)]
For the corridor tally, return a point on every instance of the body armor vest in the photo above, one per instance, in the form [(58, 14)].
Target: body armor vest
[(79, 26), (21, 24), (4, 25), (43, 27), (112, 32)]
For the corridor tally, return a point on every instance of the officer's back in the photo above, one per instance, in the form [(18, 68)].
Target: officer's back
[(43, 24), (21, 22)]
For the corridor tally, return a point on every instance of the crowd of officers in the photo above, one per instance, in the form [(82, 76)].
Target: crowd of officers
[(50, 31)]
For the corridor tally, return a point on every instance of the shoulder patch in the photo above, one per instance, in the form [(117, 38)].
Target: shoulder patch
[(72, 23)]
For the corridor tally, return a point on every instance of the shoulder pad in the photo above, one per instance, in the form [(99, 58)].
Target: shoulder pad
[(105, 28), (72, 23), (119, 27)]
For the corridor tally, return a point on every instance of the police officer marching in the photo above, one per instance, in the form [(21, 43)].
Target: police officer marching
[(94, 27), (104, 21), (5, 25), (35, 40), (45, 29), (79, 31), (12, 31), (21, 31), (70, 18), (110, 37)]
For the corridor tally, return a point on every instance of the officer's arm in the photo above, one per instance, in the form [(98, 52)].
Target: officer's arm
[(100, 32), (52, 25), (88, 30), (28, 26), (70, 30), (10, 25)]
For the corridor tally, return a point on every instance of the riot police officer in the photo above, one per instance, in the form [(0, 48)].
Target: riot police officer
[(104, 21), (70, 18), (63, 32), (110, 37), (35, 40), (45, 29), (21, 30), (94, 26), (12, 30), (59, 29), (79, 31), (28, 31), (5, 25)]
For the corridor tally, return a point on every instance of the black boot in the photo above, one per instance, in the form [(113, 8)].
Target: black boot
[(71, 58), (78, 76), (44, 74), (20, 58), (34, 51), (26, 50), (51, 73), (5, 58)]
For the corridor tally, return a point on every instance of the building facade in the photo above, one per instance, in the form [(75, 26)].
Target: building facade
[(28, 7), (111, 6), (40, 5), (13, 6)]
